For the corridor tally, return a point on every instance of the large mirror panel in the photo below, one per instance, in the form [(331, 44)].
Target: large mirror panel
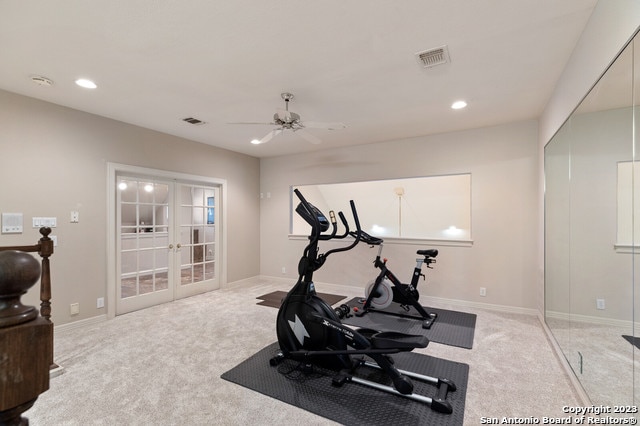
[(635, 232), (589, 237)]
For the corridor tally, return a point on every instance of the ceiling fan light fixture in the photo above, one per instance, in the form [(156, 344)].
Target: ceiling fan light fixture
[(284, 119)]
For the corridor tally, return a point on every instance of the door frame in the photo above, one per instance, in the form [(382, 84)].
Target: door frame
[(113, 169)]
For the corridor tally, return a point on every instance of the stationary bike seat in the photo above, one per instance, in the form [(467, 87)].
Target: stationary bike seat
[(428, 253)]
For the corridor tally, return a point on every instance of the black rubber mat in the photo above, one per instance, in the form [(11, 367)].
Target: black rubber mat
[(451, 328), (354, 404), (274, 299), (633, 340)]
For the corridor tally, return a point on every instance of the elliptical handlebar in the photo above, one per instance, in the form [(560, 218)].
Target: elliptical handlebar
[(313, 219), (357, 235), (345, 224)]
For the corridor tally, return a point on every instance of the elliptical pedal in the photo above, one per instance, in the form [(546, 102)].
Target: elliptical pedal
[(439, 403)]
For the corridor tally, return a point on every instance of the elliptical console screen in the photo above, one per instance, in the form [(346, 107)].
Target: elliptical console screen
[(308, 216)]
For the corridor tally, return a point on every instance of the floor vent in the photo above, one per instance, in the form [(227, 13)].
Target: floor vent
[(194, 121), (432, 57)]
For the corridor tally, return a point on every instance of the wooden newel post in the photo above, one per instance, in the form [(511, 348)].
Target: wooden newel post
[(46, 250), (26, 339)]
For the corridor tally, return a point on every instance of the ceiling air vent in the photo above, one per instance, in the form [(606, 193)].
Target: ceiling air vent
[(193, 121), (41, 80), (432, 57)]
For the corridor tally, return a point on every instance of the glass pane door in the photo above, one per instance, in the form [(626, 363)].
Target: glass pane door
[(145, 252), (197, 249)]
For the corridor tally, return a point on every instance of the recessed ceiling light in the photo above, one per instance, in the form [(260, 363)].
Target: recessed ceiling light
[(255, 141), (87, 84), (458, 105)]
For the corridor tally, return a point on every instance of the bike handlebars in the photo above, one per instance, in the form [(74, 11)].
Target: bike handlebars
[(370, 239)]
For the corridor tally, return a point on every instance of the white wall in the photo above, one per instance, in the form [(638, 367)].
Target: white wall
[(54, 160), (503, 163)]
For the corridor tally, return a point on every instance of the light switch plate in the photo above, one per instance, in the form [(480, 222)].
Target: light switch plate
[(39, 222)]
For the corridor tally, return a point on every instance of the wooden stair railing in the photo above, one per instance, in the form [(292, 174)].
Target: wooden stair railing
[(26, 335)]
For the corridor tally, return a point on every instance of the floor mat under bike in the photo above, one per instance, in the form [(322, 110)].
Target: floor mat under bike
[(274, 299), (354, 404), (451, 328)]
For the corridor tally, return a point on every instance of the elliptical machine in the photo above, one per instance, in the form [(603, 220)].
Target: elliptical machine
[(387, 288), (310, 331)]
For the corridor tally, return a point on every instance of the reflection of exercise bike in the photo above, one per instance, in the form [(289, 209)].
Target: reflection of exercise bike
[(310, 331), (387, 288)]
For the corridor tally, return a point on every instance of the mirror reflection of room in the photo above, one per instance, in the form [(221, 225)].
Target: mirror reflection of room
[(592, 207)]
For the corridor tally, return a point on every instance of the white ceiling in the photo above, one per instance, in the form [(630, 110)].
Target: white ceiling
[(350, 61)]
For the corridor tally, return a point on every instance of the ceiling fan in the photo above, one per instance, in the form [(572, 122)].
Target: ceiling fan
[(288, 120)]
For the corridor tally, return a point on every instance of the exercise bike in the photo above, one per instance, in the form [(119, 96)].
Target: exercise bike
[(310, 331), (387, 289)]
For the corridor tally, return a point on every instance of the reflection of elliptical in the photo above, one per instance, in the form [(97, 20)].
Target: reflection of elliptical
[(310, 331), (388, 289)]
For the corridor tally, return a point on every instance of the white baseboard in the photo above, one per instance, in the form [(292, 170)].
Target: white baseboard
[(456, 302), (592, 319), (56, 371), (335, 287), (79, 324), (243, 281), (481, 305)]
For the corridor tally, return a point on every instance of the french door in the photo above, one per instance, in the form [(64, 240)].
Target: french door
[(167, 241)]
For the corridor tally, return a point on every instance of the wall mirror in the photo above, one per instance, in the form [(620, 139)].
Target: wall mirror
[(421, 208), (592, 206)]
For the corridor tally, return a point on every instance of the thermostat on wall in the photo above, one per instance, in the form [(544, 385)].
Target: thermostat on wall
[(11, 223)]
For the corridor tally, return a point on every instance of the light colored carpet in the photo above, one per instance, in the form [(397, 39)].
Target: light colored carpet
[(162, 366)]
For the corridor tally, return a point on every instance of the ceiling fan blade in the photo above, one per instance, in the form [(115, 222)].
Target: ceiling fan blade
[(321, 125), (309, 137), (270, 135)]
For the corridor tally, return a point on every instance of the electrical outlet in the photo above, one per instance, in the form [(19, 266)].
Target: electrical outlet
[(599, 303), (100, 302), (284, 270), (74, 309), (483, 291)]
